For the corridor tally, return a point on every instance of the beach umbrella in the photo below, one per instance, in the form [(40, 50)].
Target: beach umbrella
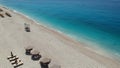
[(35, 52), (44, 62), (35, 55), (27, 27), (1, 15), (28, 50)]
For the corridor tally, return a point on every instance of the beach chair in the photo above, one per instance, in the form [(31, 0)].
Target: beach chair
[(17, 63), (27, 27), (13, 59), (14, 62), (9, 15), (12, 56), (1, 15)]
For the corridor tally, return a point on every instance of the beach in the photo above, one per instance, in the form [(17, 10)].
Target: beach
[(62, 50)]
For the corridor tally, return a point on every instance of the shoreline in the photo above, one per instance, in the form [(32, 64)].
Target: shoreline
[(88, 45), (61, 35)]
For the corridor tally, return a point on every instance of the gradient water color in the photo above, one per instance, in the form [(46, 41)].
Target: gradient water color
[(93, 21)]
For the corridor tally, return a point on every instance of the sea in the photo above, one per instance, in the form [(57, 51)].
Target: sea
[(95, 23)]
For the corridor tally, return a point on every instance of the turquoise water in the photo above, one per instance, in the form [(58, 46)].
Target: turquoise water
[(95, 21)]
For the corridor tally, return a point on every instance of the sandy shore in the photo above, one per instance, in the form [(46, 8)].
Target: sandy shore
[(61, 49)]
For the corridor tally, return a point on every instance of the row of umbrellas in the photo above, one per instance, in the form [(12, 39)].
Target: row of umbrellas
[(35, 55)]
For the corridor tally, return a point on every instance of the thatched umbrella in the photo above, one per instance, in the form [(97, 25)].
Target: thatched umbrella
[(35, 54), (28, 50), (44, 62)]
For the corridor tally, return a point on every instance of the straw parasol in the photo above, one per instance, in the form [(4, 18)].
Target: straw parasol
[(35, 52), (45, 60), (29, 48), (35, 55)]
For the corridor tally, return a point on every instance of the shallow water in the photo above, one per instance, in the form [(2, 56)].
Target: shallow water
[(94, 21)]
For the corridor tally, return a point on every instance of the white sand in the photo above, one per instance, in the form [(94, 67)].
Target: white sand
[(61, 49)]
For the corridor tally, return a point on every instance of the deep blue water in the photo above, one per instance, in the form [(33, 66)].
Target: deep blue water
[(95, 21)]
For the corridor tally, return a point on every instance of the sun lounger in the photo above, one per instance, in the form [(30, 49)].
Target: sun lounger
[(27, 27), (1, 15), (10, 57), (17, 63), (13, 62), (13, 59), (28, 50), (8, 14), (15, 66)]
